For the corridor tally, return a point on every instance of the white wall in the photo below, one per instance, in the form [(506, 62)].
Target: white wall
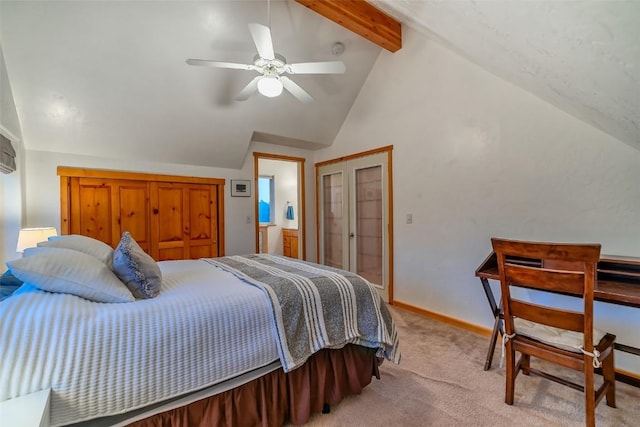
[(11, 185), (43, 192), (476, 157), (11, 212)]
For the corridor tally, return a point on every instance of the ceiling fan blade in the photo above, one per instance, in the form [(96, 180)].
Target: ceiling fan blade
[(296, 90), (262, 38), (329, 67), (249, 89), (218, 64)]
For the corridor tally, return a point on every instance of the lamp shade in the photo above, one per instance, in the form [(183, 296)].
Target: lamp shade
[(270, 86), (30, 237)]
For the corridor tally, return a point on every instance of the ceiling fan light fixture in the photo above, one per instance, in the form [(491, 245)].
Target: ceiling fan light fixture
[(270, 86), (272, 67)]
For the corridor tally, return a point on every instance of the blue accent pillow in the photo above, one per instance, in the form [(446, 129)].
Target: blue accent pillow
[(8, 284), (136, 268)]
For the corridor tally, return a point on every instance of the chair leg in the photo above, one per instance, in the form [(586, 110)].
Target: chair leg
[(589, 393), (525, 362), (510, 374), (609, 375)]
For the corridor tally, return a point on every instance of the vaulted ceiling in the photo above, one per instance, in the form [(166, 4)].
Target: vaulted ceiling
[(581, 56), (108, 78)]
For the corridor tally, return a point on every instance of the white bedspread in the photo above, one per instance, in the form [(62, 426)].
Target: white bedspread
[(102, 359)]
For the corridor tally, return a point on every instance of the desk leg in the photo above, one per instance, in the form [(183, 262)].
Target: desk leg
[(497, 324), (497, 328), (492, 344), (489, 293)]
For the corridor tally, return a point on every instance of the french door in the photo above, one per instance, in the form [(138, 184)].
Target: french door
[(354, 217)]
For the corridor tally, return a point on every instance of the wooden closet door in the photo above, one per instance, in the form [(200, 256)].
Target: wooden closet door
[(105, 208), (184, 220), (133, 214)]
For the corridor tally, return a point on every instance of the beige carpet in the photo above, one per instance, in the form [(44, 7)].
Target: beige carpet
[(440, 382)]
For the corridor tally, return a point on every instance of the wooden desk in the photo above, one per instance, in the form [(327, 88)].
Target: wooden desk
[(618, 283)]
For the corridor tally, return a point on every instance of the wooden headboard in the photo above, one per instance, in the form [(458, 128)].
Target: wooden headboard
[(171, 217)]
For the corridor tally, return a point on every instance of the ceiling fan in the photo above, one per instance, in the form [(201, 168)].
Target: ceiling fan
[(272, 68)]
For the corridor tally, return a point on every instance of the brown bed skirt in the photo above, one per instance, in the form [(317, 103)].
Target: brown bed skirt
[(277, 397)]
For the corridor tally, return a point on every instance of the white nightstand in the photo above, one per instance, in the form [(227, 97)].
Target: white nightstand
[(30, 410)]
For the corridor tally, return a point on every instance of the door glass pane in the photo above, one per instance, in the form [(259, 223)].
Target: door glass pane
[(368, 187), (332, 219)]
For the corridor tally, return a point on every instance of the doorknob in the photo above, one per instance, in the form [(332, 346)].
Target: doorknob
[(352, 235)]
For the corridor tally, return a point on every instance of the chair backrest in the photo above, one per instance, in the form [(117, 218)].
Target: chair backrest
[(550, 267)]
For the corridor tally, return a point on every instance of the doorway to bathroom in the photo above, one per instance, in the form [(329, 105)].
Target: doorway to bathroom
[(280, 205)]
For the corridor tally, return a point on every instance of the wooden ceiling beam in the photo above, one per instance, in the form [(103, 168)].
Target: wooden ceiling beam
[(362, 18)]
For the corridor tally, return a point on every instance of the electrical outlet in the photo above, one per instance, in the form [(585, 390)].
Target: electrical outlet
[(409, 218), (248, 220)]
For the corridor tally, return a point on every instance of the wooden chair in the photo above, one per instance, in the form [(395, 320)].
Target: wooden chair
[(559, 336)]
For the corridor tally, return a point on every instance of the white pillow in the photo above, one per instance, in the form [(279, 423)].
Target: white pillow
[(69, 272), (87, 245)]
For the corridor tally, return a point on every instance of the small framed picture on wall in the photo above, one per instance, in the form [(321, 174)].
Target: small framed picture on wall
[(240, 188)]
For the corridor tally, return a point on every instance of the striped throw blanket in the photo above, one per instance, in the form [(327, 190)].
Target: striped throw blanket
[(317, 307)]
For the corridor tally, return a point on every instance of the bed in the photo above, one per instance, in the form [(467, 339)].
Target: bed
[(238, 340)]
